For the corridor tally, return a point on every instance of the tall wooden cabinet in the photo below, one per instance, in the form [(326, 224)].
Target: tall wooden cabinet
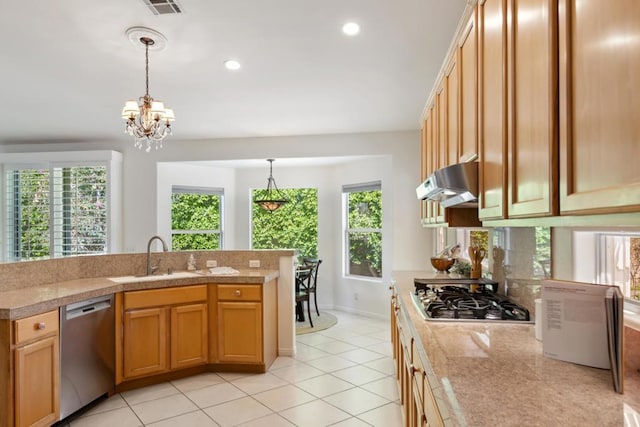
[(599, 107)]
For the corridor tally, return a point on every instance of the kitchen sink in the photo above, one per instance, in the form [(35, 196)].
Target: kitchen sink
[(174, 275)]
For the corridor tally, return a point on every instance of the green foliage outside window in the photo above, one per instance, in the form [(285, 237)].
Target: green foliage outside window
[(293, 226), (365, 233), (195, 221), (78, 196)]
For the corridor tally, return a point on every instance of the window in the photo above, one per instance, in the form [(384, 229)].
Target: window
[(293, 226), (196, 218), (618, 256), (55, 211), (363, 229)]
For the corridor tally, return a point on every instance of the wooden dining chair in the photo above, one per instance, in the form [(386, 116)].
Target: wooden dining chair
[(303, 279), (314, 265)]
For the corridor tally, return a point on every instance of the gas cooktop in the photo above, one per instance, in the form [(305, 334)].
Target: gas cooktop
[(465, 300)]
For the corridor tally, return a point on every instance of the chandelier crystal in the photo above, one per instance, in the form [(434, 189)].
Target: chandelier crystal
[(147, 120), (272, 199)]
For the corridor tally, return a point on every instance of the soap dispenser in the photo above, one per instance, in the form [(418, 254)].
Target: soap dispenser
[(191, 263)]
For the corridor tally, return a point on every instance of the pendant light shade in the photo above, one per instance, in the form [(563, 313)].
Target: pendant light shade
[(271, 199)]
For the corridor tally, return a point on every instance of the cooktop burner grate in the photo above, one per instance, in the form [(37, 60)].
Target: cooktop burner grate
[(469, 301)]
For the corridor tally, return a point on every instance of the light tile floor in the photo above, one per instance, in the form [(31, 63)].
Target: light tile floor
[(342, 376)]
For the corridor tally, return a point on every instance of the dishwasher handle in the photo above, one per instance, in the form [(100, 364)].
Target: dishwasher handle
[(87, 307)]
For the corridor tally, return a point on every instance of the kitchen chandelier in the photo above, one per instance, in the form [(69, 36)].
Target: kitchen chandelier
[(147, 120), (273, 198)]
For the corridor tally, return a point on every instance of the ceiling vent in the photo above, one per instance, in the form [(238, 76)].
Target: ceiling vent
[(163, 7)]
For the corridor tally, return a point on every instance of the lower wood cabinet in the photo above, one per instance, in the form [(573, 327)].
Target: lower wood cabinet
[(34, 350), (418, 404), (146, 339), (164, 330), (239, 331), (246, 322)]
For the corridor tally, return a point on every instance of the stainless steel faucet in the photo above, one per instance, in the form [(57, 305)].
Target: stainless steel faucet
[(151, 269)]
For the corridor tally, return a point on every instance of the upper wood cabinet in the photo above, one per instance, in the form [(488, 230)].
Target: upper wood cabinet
[(492, 108), (517, 108), (532, 108), (467, 65), (452, 103), (599, 107)]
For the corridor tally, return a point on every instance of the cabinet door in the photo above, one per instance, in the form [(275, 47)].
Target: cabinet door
[(189, 343), (37, 383), (467, 63), (599, 107), (440, 146), (240, 332), (492, 111), (452, 110), (533, 122), (145, 342)]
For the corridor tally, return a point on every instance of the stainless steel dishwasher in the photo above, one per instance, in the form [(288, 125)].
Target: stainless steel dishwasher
[(87, 353)]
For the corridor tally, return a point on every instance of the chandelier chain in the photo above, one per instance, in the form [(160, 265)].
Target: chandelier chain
[(146, 62)]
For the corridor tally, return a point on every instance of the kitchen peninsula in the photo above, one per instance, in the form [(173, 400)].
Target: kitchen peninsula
[(488, 374), (188, 321)]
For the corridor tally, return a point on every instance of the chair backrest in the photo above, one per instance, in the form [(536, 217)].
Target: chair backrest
[(313, 264)]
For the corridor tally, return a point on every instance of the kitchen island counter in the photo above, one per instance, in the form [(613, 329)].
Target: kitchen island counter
[(19, 303), (490, 374)]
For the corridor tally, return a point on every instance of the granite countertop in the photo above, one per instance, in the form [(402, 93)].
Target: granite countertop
[(18, 303), (488, 374)]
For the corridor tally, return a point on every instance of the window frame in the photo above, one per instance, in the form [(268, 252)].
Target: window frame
[(346, 230), (110, 160), (209, 191)]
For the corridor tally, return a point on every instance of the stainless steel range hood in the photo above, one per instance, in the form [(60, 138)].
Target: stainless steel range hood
[(452, 186)]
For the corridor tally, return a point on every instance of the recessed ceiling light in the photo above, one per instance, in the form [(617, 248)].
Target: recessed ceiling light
[(231, 64), (351, 28)]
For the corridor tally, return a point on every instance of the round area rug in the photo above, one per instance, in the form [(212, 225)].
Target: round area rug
[(324, 321)]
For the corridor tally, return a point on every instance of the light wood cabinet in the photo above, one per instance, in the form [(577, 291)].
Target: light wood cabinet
[(163, 330), (240, 332), (37, 370), (599, 110), (189, 343), (518, 110), (146, 342), (467, 63), (532, 108), (246, 324), (492, 111), (418, 404)]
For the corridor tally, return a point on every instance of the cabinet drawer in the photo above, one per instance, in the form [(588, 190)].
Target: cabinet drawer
[(35, 326), (163, 297), (239, 292)]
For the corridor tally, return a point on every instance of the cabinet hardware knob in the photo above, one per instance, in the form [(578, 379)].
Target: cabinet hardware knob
[(238, 293), (40, 326)]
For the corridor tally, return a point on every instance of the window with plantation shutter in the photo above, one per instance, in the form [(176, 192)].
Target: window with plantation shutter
[(55, 211)]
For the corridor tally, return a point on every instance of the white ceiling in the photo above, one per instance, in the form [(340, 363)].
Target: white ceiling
[(66, 66)]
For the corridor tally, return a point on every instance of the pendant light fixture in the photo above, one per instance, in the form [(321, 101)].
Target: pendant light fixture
[(272, 199), (147, 120)]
